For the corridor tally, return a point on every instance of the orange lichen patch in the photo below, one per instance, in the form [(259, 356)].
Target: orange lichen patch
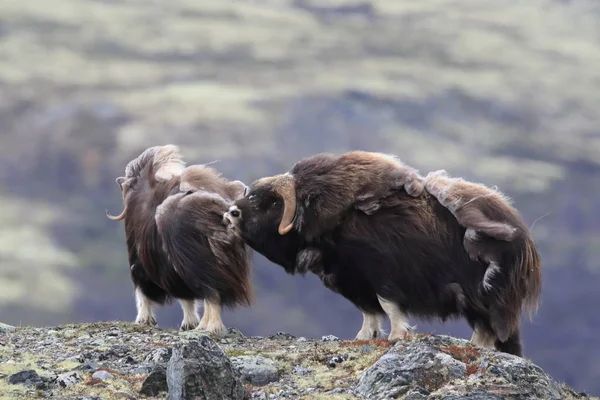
[(159, 344), (471, 369), (466, 354), (92, 381)]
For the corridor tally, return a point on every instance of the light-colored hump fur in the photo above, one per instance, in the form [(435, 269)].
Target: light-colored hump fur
[(166, 162), (157, 163), (466, 201)]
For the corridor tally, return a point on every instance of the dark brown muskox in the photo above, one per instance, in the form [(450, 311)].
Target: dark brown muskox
[(408, 258), (177, 244)]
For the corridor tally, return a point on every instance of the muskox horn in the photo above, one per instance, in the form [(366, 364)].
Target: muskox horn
[(121, 182), (118, 217), (285, 187)]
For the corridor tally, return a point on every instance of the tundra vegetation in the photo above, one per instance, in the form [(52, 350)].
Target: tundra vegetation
[(501, 93)]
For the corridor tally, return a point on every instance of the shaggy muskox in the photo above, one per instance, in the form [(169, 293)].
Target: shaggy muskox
[(407, 258), (177, 244)]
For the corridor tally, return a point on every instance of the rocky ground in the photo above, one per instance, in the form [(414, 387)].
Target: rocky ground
[(115, 360)]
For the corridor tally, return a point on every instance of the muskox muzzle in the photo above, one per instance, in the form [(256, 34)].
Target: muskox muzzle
[(232, 217)]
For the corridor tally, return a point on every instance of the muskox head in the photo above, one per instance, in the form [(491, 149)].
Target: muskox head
[(264, 218)]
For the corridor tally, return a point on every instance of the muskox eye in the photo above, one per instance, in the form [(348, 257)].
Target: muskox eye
[(251, 197), (189, 192)]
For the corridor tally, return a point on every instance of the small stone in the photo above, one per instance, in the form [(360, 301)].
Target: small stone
[(29, 378), (299, 370), (330, 338), (337, 360), (98, 342), (257, 370), (156, 382), (87, 367), (302, 339), (102, 375), (2, 376), (68, 379)]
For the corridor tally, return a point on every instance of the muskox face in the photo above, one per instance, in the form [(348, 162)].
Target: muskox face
[(256, 219), (256, 214)]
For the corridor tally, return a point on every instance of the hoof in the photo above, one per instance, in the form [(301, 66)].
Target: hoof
[(146, 321)]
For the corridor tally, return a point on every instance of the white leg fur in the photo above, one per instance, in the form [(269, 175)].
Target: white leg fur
[(145, 314), (398, 320), (191, 319), (371, 327), (211, 319), (482, 338)]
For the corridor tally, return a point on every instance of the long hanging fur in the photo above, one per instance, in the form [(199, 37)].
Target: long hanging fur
[(497, 236)]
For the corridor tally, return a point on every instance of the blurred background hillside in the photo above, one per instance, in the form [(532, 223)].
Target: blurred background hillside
[(502, 92)]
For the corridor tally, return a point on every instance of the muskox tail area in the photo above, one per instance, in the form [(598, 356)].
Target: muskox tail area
[(214, 263), (517, 290), (529, 269)]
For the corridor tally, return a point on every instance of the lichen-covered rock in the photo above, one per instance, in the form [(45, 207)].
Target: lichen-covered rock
[(133, 361), (257, 370), (416, 364), (200, 370), (156, 381), (445, 368), (68, 379)]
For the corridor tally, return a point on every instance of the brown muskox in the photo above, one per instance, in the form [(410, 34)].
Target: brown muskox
[(407, 258), (177, 244)]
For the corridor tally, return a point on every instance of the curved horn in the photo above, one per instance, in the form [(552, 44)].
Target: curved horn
[(118, 217), (124, 192), (286, 188)]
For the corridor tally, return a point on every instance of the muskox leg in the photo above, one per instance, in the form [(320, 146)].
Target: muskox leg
[(211, 319), (483, 338), (398, 320), (145, 313), (512, 345), (371, 327), (191, 319)]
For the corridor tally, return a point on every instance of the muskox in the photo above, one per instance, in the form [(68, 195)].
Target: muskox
[(407, 258), (177, 244)]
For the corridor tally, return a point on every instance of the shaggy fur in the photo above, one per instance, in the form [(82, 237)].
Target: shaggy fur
[(330, 185), (407, 258), (177, 244), (493, 228)]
